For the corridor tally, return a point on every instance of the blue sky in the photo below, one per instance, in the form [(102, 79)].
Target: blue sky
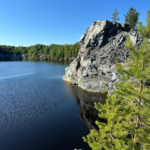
[(30, 22)]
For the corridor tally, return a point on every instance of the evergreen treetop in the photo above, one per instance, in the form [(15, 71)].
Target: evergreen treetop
[(115, 16), (132, 18), (145, 30)]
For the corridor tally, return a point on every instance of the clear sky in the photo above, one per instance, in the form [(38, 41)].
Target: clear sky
[(30, 22)]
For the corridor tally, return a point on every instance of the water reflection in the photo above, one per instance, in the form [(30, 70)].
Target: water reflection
[(85, 101), (53, 61), (36, 113)]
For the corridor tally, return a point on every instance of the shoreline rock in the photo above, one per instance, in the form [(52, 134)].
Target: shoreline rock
[(94, 69), (11, 57)]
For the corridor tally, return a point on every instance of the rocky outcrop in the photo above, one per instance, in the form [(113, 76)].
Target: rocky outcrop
[(11, 57), (94, 69), (2, 57)]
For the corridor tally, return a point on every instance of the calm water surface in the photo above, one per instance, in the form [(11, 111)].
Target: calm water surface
[(38, 111)]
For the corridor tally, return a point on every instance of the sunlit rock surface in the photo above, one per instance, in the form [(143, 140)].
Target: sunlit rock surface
[(94, 69)]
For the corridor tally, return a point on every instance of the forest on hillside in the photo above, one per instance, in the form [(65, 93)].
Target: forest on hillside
[(50, 52)]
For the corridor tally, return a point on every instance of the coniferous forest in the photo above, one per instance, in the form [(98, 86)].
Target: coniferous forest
[(50, 52)]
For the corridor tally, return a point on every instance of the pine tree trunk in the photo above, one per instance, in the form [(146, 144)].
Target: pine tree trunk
[(139, 102)]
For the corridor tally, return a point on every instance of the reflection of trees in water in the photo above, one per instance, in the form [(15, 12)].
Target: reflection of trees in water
[(85, 100)]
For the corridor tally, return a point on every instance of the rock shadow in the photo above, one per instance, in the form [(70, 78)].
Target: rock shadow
[(85, 101)]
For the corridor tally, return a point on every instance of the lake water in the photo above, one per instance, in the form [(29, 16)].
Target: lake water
[(39, 111)]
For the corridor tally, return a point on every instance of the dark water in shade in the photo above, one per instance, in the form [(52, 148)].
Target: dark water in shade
[(38, 111)]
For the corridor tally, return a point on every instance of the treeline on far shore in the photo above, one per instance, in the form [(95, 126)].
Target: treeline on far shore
[(50, 52)]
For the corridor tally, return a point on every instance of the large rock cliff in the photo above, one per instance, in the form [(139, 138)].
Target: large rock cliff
[(94, 69)]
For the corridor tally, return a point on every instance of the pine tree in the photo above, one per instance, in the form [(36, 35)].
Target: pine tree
[(145, 31), (115, 16), (132, 18), (148, 16), (128, 110), (109, 135)]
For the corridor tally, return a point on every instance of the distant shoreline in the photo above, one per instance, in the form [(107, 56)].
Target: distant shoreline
[(21, 57)]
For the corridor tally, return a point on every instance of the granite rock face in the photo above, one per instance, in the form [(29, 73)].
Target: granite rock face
[(14, 57), (94, 69), (11, 57), (2, 57)]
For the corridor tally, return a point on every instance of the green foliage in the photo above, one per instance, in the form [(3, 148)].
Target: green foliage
[(51, 52), (132, 18), (145, 30), (115, 16), (25, 56), (127, 111), (148, 16), (135, 95), (108, 136)]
